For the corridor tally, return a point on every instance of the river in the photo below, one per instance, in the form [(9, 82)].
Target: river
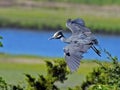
[(29, 42)]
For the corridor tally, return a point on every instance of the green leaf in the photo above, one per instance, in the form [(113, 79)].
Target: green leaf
[(1, 45), (1, 37)]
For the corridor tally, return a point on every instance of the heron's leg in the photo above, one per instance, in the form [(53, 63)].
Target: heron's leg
[(95, 49)]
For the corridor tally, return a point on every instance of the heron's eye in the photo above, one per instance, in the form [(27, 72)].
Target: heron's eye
[(72, 22)]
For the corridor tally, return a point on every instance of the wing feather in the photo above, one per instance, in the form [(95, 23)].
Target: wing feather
[(71, 63), (75, 55), (77, 26)]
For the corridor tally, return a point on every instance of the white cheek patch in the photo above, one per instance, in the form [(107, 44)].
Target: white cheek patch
[(59, 36)]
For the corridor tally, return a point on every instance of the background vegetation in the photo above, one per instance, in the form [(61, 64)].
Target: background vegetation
[(16, 66), (30, 73), (104, 77), (38, 14), (96, 2)]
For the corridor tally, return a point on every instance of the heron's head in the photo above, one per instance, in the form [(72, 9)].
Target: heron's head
[(75, 24), (57, 35)]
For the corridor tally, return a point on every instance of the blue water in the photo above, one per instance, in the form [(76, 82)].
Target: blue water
[(19, 42)]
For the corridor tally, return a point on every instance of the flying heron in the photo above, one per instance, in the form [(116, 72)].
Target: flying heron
[(79, 42)]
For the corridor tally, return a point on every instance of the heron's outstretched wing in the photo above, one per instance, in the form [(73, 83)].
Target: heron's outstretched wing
[(73, 54), (77, 26)]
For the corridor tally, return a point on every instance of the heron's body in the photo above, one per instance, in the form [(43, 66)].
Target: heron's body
[(78, 43)]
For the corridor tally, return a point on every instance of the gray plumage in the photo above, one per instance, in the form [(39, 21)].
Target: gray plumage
[(78, 43), (73, 54)]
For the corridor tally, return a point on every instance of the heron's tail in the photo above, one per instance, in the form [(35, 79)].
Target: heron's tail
[(96, 50)]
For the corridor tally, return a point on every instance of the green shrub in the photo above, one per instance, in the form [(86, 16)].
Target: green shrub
[(6, 86), (3, 84), (56, 71), (105, 77), (1, 45)]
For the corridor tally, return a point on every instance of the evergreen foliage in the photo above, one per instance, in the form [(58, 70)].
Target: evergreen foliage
[(105, 77), (1, 45), (56, 71)]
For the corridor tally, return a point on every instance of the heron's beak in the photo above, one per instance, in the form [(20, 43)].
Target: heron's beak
[(51, 38)]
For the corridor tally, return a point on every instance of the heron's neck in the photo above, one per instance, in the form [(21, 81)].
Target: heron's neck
[(63, 39)]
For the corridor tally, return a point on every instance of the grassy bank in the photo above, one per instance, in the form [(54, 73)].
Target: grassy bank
[(98, 19), (95, 2), (12, 69)]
